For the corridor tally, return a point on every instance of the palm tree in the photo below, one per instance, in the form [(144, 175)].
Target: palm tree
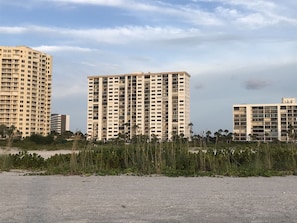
[(3, 131), (218, 135), (11, 132), (208, 134), (154, 138), (125, 125), (135, 128), (229, 137), (196, 139), (226, 131), (121, 138), (226, 134), (291, 133), (67, 135), (190, 125), (253, 137)]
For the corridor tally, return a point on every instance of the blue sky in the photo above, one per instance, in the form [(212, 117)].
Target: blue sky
[(236, 51)]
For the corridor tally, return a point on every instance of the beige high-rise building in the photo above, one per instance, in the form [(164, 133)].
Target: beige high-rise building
[(265, 122), (150, 104), (25, 89)]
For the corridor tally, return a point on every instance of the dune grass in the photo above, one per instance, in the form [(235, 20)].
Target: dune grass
[(169, 158)]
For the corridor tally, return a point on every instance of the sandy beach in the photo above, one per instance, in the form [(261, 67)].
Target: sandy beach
[(43, 153), (93, 199)]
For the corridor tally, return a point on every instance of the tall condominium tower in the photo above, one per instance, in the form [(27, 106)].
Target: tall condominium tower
[(151, 104), (60, 123), (265, 122), (25, 89)]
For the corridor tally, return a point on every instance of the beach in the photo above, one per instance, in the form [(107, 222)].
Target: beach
[(43, 153), (76, 199)]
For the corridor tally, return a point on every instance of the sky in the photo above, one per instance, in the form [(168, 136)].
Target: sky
[(236, 51)]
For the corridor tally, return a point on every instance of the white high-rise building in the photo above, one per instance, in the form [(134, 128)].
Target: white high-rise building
[(25, 89), (151, 104), (265, 122), (60, 123)]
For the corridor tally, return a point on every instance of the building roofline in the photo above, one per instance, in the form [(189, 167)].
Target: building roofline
[(285, 101), (254, 105), (140, 74), (26, 47)]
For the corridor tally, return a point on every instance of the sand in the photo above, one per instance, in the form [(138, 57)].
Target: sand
[(76, 199), (43, 153)]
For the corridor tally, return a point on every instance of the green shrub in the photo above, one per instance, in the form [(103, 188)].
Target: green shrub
[(170, 159)]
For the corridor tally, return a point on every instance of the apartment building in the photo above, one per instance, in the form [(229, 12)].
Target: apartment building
[(151, 104), (60, 123), (25, 89), (265, 122)]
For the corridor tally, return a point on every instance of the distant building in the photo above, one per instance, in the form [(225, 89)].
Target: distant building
[(60, 123), (151, 104), (25, 89), (265, 122)]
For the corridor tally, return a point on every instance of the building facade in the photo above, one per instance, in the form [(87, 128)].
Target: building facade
[(150, 104), (25, 89), (60, 123), (265, 122)]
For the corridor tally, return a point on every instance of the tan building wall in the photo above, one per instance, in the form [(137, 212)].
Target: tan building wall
[(265, 122), (139, 104), (25, 89)]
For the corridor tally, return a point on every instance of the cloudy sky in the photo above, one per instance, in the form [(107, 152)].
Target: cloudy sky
[(236, 51)]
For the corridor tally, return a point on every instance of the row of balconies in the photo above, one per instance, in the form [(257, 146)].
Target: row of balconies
[(8, 82), (8, 89)]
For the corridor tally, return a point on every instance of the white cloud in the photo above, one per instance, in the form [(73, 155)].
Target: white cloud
[(116, 35), (197, 16), (25, 29), (126, 34), (256, 20), (255, 5), (45, 48), (187, 13), (94, 2), (12, 29), (259, 13), (129, 4), (227, 12), (252, 13)]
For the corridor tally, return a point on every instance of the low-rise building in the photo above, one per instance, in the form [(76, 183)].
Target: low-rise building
[(265, 122)]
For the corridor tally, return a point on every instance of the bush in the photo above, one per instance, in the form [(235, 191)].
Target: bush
[(170, 159), (24, 160)]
